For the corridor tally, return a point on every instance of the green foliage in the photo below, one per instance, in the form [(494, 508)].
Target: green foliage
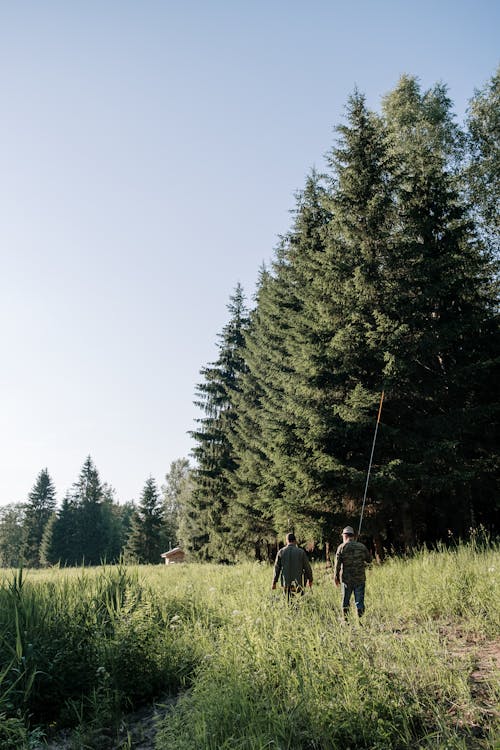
[(144, 544), (383, 283), (483, 170), (11, 534), (59, 537), (176, 493), (204, 527), (89, 527), (80, 646), (39, 508), (13, 733)]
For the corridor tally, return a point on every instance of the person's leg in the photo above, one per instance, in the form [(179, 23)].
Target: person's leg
[(346, 597), (293, 591), (359, 598)]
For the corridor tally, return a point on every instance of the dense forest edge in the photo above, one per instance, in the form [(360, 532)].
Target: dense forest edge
[(387, 281)]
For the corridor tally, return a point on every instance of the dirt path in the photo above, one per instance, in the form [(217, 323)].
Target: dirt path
[(140, 727), (485, 656), (137, 731)]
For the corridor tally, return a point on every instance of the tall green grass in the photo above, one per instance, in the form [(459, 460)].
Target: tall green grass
[(79, 647), (297, 677), (249, 670)]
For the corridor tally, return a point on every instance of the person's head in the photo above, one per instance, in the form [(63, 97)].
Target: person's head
[(347, 533), (290, 538)]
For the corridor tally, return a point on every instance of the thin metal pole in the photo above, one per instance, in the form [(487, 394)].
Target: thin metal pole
[(370, 464)]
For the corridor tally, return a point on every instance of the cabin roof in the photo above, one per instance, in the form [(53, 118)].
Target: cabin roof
[(171, 552)]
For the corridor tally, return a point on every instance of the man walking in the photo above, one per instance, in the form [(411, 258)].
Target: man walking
[(293, 567), (351, 560)]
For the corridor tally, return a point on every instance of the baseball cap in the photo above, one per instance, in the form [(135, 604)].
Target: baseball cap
[(348, 530)]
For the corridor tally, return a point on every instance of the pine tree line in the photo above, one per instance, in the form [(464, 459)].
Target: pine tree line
[(387, 280), (90, 527)]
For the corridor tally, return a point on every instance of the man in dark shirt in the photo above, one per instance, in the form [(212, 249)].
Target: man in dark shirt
[(293, 567), (351, 560)]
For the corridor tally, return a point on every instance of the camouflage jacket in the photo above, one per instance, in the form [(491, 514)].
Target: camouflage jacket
[(292, 566), (351, 560)]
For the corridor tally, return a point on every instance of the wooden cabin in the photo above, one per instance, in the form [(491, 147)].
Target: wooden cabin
[(175, 555)]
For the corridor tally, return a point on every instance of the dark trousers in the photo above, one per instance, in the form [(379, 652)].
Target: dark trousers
[(293, 591), (358, 589)]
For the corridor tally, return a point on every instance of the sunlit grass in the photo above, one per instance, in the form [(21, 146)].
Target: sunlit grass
[(249, 670)]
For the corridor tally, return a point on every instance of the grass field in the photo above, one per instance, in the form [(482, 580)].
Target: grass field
[(245, 669)]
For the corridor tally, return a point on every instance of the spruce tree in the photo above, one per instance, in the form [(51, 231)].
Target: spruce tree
[(144, 542), (331, 371), (343, 352), (254, 484), (289, 347), (206, 515), (444, 342), (59, 543), (92, 528), (38, 509)]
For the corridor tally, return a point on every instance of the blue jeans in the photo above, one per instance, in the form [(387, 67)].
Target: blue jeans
[(358, 589)]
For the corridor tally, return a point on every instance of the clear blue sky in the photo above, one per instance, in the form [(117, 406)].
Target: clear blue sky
[(149, 155)]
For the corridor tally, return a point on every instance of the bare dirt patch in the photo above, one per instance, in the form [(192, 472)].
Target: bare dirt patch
[(482, 658), (137, 731)]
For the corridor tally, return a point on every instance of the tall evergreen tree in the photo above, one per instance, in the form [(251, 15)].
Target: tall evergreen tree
[(253, 483), (38, 509), (144, 542), (310, 346), (342, 357), (93, 530), (275, 388), (206, 519), (60, 544), (444, 343), (85, 529)]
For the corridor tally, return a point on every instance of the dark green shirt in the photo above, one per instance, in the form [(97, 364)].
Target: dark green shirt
[(351, 560), (292, 566)]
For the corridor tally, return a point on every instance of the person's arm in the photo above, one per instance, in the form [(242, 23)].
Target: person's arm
[(338, 565), (307, 569), (277, 570)]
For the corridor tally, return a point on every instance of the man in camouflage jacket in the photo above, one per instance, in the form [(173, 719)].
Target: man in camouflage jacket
[(293, 567), (351, 560)]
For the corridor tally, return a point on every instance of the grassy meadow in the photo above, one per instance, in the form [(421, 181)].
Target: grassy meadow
[(244, 669)]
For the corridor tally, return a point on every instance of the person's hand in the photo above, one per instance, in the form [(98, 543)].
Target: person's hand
[(337, 582), (273, 586), (310, 583)]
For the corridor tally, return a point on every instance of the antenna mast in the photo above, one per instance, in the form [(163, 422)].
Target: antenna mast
[(371, 459)]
